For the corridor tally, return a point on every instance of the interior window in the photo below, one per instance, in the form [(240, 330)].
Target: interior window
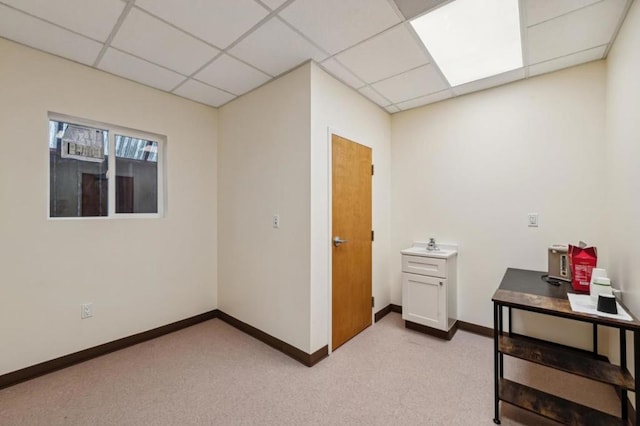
[(80, 160)]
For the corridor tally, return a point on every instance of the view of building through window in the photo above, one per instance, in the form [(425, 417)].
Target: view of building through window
[(80, 159), (136, 175)]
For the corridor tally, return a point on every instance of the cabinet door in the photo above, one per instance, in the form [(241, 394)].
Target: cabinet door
[(424, 300)]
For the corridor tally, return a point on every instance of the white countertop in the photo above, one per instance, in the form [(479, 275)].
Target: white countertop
[(419, 248)]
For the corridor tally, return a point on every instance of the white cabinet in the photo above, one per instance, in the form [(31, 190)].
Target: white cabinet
[(429, 290)]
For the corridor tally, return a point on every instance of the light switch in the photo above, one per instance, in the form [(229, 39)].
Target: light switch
[(533, 220), (276, 221)]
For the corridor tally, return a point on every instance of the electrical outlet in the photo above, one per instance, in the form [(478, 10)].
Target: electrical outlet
[(533, 220), (86, 310), (276, 221)]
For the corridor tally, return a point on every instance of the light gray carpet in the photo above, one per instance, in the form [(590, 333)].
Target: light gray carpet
[(213, 374)]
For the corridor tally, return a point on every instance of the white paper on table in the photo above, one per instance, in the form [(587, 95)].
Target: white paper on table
[(582, 303)]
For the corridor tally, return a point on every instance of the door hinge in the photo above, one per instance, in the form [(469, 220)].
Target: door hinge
[(372, 170), (372, 235), (373, 302)]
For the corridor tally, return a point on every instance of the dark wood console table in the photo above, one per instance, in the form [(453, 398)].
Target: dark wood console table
[(525, 290)]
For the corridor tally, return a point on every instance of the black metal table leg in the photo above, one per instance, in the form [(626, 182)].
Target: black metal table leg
[(496, 364), (636, 366), (500, 331), (624, 412)]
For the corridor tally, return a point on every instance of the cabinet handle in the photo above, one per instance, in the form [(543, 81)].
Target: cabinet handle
[(440, 282)]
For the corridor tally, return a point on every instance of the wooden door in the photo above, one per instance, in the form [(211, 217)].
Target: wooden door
[(351, 212)]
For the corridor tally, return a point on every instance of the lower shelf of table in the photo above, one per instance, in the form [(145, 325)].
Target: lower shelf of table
[(566, 359), (553, 407)]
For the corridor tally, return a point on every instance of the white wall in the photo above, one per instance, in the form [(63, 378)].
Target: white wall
[(138, 273), (264, 170), (622, 165), (339, 109), (469, 169)]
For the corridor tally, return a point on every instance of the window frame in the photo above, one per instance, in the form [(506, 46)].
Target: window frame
[(112, 130)]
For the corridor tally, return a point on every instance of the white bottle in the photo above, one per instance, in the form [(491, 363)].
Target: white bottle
[(600, 285), (596, 273)]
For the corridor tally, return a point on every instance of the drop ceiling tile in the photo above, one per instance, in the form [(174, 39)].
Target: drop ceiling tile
[(577, 31), (568, 61), (374, 96), (542, 10), (155, 41), (411, 84), (219, 22), (341, 73), (47, 37), (232, 75), (275, 48), (274, 4), (425, 100), (412, 8), (200, 92), (392, 108), (338, 24), (488, 82), (136, 69), (387, 54), (93, 18)]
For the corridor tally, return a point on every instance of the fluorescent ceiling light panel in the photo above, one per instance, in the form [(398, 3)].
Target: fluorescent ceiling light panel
[(472, 39)]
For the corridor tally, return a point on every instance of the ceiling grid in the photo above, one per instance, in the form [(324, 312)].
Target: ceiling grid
[(214, 51)]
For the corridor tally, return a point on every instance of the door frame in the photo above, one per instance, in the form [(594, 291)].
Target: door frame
[(329, 249)]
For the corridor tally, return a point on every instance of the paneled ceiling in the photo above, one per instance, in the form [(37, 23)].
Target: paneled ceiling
[(212, 51)]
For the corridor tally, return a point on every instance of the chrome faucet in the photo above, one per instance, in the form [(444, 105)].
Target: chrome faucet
[(432, 244)]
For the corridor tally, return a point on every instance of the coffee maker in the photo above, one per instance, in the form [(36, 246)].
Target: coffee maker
[(559, 268)]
